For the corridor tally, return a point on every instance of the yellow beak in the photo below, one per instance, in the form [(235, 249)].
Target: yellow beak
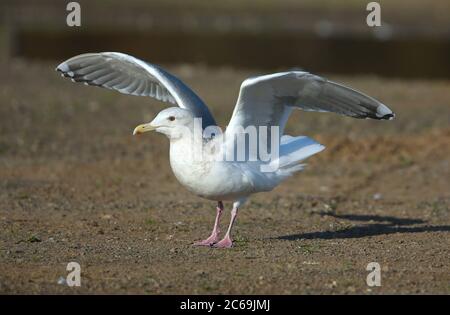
[(143, 128)]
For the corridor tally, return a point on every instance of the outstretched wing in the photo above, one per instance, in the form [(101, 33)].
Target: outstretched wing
[(130, 75), (268, 100)]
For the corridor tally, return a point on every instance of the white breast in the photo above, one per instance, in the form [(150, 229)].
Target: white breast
[(215, 180)]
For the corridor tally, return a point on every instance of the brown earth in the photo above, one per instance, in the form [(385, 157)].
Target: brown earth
[(76, 186)]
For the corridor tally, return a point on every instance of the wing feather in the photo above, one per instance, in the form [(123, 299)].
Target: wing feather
[(262, 99), (129, 75)]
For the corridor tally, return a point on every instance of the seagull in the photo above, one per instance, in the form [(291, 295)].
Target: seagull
[(264, 103)]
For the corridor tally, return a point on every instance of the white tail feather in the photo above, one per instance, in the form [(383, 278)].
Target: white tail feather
[(294, 150)]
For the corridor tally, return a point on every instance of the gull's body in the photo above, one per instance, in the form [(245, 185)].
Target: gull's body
[(264, 101), (230, 180), (209, 179)]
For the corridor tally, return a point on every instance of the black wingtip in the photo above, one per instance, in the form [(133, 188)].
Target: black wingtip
[(390, 116)]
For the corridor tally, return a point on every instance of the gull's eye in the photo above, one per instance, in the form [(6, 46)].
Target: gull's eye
[(171, 118)]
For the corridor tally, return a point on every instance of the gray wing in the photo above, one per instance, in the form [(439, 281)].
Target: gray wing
[(129, 75), (268, 100)]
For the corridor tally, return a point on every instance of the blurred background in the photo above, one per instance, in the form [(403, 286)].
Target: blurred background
[(318, 35), (75, 185)]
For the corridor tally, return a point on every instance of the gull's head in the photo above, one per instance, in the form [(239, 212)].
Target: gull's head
[(173, 122)]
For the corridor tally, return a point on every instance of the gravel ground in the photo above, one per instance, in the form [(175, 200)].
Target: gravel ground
[(76, 186)]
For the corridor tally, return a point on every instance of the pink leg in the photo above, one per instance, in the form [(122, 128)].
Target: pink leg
[(214, 237), (227, 242)]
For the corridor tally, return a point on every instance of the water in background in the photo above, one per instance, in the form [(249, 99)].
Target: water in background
[(273, 39)]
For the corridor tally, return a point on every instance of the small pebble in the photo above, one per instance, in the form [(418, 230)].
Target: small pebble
[(377, 196), (62, 280)]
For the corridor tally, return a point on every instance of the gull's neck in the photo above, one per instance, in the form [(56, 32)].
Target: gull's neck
[(186, 145)]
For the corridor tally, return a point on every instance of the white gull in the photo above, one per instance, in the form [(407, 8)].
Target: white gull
[(264, 101)]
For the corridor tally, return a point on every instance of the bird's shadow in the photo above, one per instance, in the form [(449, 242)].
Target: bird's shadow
[(377, 225)]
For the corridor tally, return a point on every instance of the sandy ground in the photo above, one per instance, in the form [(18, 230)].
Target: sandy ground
[(76, 186)]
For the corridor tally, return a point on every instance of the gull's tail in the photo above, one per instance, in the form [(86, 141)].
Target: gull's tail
[(293, 150)]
